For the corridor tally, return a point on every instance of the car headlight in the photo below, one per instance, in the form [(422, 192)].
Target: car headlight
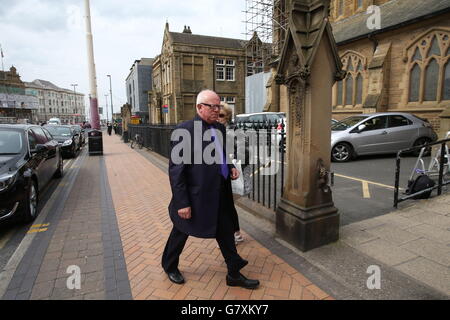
[(67, 143), (7, 180)]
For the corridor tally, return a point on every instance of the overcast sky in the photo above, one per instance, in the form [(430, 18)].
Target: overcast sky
[(46, 39)]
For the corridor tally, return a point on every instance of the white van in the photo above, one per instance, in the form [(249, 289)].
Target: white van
[(54, 121)]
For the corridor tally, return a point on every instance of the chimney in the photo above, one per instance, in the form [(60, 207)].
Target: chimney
[(187, 29)]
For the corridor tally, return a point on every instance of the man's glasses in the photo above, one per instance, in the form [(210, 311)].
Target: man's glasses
[(212, 106)]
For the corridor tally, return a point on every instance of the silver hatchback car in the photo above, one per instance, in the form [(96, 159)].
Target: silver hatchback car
[(378, 133)]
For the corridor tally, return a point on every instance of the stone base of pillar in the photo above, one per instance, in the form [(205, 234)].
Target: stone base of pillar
[(307, 228)]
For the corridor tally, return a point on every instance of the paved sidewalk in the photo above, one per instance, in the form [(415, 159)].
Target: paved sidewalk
[(141, 194)]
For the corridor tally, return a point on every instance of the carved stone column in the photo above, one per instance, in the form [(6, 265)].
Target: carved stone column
[(309, 66)]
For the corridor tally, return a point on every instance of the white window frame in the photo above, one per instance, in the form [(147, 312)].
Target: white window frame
[(230, 62), (232, 71), (222, 71)]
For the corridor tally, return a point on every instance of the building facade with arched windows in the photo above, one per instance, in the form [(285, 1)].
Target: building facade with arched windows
[(403, 66)]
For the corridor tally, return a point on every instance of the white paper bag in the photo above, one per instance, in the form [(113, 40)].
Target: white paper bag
[(238, 185)]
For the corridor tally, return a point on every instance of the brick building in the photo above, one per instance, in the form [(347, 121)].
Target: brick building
[(403, 66), (17, 103), (56, 102), (189, 63)]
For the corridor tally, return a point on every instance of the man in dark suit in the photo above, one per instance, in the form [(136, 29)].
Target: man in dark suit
[(202, 199)]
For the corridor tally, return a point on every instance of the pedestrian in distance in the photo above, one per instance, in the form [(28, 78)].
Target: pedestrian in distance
[(202, 200), (109, 128), (225, 115)]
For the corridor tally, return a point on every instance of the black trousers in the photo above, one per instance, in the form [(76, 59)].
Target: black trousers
[(224, 237)]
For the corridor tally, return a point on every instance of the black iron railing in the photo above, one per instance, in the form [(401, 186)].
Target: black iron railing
[(265, 140), (441, 160), (156, 137)]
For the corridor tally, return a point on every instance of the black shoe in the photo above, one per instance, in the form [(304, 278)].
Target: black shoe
[(242, 281), (176, 277)]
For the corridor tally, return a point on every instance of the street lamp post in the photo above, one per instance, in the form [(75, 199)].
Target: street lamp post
[(110, 92), (75, 98), (107, 116)]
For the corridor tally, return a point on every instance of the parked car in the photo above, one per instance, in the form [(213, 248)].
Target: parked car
[(78, 129), (56, 121), (378, 133), (67, 138), (29, 158)]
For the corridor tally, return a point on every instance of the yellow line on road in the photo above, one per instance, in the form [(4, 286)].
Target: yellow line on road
[(40, 225), (367, 181), (37, 230), (4, 240), (366, 192)]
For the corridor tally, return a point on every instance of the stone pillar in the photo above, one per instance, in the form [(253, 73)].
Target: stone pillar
[(309, 66)]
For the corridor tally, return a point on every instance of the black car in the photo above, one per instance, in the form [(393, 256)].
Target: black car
[(67, 137), (29, 158)]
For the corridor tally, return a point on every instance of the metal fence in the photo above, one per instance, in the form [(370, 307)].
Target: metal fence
[(155, 137), (439, 168), (266, 189)]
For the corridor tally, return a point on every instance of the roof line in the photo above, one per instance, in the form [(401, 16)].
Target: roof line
[(394, 27)]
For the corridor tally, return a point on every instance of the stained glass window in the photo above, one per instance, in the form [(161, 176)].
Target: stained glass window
[(435, 50), (431, 81), (339, 93), (359, 89), (350, 64), (414, 85), (446, 87), (417, 56), (349, 90)]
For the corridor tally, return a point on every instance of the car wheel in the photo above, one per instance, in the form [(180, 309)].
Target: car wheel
[(421, 142), (60, 171), (342, 152), (30, 210)]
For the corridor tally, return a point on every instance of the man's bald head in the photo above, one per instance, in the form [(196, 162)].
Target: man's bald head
[(206, 95), (207, 106)]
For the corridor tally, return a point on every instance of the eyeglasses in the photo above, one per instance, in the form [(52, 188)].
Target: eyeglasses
[(212, 106)]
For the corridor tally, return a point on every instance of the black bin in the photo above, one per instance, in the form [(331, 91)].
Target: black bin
[(95, 142), (125, 136)]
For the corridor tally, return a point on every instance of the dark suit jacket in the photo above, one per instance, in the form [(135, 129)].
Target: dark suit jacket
[(196, 185)]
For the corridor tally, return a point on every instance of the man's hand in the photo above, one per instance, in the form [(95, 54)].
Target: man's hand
[(234, 174), (185, 213)]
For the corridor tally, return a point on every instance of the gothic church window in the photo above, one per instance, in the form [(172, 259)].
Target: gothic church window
[(349, 91), (428, 63)]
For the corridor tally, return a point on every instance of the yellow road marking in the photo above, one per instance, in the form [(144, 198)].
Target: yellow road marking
[(39, 225), (366, 192), (6, 238), (369, 182), (37, 230)]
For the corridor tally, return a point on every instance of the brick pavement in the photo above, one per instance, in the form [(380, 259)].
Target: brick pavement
[(141, 194)]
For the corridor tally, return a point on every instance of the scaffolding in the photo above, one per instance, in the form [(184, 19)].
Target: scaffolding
[(265, 29)]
